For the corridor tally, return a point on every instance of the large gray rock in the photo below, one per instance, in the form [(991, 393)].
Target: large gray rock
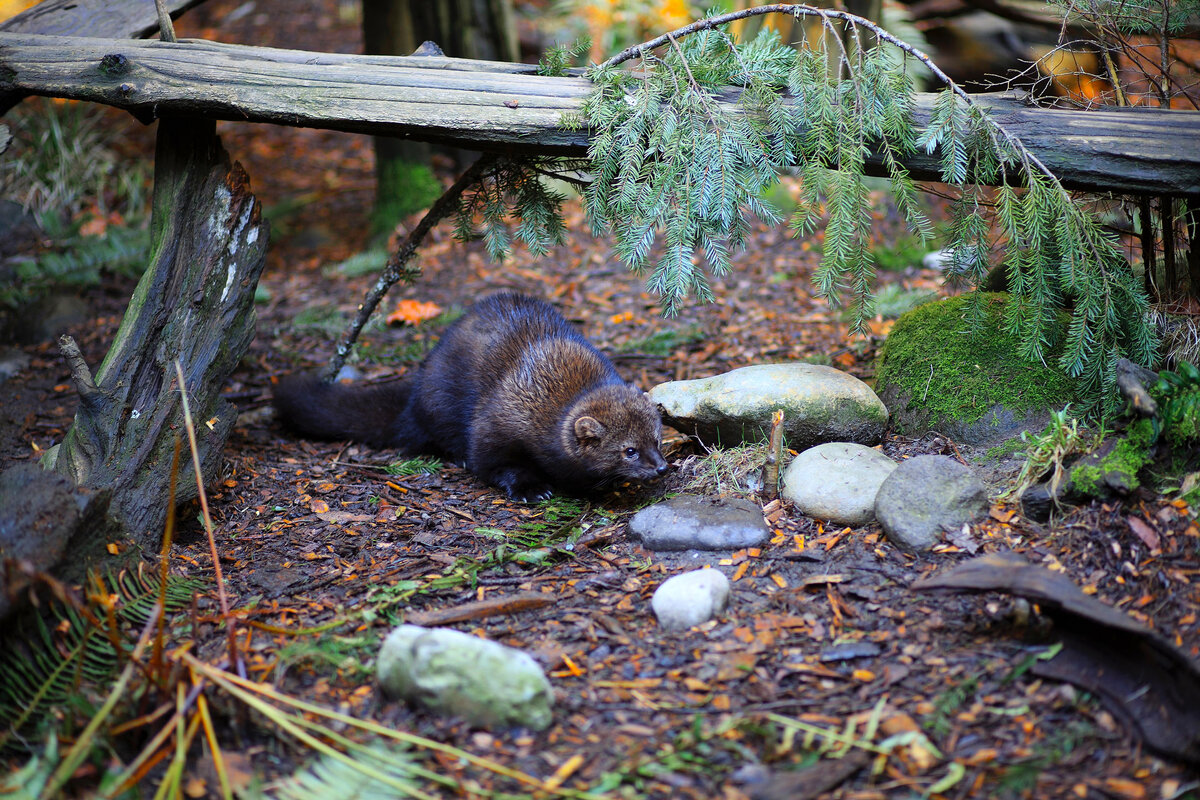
[(484, 682), (837, 481), (820, 404), (925, 496), (688, 522), (690, 598)]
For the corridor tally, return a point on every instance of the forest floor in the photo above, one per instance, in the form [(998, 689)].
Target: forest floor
[(319, 535)]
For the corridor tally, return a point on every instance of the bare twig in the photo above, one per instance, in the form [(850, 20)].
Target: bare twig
[(166, 29), (397, 267), (81, 374), (774, 456)]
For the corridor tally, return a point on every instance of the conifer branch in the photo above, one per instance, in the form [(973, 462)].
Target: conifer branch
[(669, 159)]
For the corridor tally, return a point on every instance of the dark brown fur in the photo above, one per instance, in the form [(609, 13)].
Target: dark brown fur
[(513, 392)]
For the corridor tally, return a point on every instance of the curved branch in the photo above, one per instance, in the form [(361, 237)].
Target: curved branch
[(397, 267)]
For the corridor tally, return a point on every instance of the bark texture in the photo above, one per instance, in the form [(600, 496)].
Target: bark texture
[(195, 304)]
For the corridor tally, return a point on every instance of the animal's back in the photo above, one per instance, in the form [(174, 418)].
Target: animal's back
[(502, 342)]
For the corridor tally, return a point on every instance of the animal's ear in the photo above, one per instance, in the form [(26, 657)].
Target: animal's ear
[(588, 428)]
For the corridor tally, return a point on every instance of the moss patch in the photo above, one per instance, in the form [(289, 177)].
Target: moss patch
[(935, 372), (404, 188)]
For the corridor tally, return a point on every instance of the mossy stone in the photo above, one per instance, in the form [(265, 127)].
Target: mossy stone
[(936, 373)]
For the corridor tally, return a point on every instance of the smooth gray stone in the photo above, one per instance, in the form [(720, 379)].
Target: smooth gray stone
[(689, 522)]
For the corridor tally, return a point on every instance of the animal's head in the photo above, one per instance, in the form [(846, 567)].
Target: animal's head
[(617, 431)]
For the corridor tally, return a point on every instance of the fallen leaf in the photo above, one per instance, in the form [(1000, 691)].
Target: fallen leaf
[(1148, 535), (412, 312), (1124, 787)]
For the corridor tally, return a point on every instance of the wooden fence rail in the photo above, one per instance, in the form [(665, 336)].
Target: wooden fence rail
[(501, 106)]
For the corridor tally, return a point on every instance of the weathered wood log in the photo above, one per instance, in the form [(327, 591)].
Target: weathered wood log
[(505, 107), (129, 20), (88, 18), (194, 304)]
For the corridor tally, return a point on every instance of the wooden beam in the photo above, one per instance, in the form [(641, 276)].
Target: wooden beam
[(506, 107), (105, 18)]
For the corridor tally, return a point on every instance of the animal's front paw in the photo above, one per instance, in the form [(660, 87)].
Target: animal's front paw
[(522, 487), (535, 493)]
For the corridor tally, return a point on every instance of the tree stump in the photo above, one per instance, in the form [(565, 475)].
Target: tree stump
[(194, 304)]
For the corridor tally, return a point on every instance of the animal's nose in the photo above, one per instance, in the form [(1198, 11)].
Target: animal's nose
[(662, 468)]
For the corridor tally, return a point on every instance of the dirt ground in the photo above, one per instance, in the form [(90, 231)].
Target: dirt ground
[(822, 625)]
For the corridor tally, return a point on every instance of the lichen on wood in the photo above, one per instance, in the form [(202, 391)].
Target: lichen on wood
[(194, 304)]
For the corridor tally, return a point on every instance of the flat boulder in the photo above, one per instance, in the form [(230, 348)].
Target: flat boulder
[(837, 481), (819, 403), (689, 522)]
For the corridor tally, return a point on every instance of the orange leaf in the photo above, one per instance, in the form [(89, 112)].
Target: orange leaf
[(1123, 787), (96, 226), (413, 312)]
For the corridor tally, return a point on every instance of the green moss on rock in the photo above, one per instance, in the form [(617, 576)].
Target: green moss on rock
[(1116, 467), (936, 373)]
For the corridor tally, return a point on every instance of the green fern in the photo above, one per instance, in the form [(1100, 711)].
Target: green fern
[(373, 772), (77, 260), (42, 666)]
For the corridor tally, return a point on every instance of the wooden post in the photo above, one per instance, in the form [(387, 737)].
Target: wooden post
[(195, 303)]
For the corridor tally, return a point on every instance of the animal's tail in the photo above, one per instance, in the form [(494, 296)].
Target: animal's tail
[(362, 413)]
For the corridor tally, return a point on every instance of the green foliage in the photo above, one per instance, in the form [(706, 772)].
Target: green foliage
[(77, 260), (678, 164), (1178, 397), (422, 465), (367, 262), (514, 187), (61, 161), (327, 653), (61, 168), (43, 665), (548, 536), (667, 156), (893, 301), (947, 703), (558, 58), (900, 253), (1048, 451), (1020, 779), (1131, 17), (28, 782), (664, 342), (404, 187), (371, 772)]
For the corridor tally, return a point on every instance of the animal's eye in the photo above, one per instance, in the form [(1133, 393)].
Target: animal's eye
[(631, 453)]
